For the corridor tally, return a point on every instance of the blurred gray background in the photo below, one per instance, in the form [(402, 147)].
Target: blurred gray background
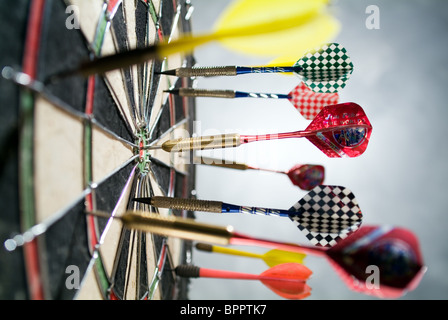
[(400, 80)]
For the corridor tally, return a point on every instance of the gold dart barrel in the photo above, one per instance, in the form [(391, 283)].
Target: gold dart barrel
[(211, 93), (206, 71), (186, 204), (201, 143), (172, 226)]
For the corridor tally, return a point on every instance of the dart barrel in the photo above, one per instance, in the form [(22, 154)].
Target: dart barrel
[(200, 143), (206, 71), (172, 226), (187, 204)]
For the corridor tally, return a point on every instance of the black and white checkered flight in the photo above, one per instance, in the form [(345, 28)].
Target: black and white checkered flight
[(325, 215), (325, 69)]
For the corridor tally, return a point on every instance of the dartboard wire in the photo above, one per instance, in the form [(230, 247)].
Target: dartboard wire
[(117, 100), (157, 276), (175, 21), (156, 20), (169, 166), (133, 73), (36, 87), (167, 132), (148, 191), (139, 186), (164, 65), (119, 250), (131, 245), (136, 243), (145, 69), (105, 281)]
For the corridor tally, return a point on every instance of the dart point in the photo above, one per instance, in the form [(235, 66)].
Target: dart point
[(142, 200), (167, 72)]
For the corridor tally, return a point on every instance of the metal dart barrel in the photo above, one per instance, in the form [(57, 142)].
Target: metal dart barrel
[(172, 226)]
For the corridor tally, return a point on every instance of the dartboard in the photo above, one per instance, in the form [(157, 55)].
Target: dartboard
[(75, 146)]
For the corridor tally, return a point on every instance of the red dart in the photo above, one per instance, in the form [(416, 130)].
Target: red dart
[(392, 252), (288, 280), (341, 130), (305, 176)]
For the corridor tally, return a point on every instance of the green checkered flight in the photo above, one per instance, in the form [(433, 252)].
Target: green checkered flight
[(325, 69)]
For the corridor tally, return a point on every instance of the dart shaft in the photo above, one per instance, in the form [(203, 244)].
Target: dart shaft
[(224, 250), (213, 206), (244, 70), (274, 136), (241, 94)]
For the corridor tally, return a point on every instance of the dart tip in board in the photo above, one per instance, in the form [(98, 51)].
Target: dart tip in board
[(167, 72), (143, 200), (172, 91)]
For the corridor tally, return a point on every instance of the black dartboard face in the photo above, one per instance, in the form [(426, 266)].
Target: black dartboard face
[(75, 145)]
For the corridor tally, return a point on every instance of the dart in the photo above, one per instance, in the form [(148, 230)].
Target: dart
[(325, 69), (341, 130), (271, 258), (289, 25), (288, 280), (325, 215), (393, 250), (305, 176), (306, 101)]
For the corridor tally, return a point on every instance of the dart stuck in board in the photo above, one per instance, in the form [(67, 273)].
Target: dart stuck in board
[(325, 215), (325, 69), (305, 176), (288, 280), (306, 101), (285, 22), (341, 130), (394, 250)]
